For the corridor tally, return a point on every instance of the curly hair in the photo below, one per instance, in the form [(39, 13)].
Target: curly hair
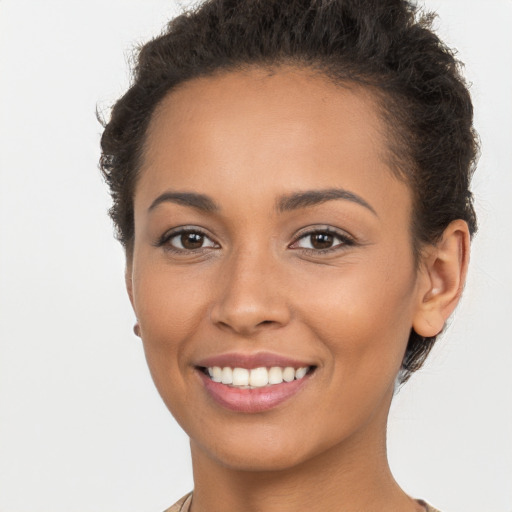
[(385, 45)]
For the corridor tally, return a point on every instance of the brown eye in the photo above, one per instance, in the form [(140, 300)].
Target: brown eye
[(188, 240), (191, 240), (321, 240)]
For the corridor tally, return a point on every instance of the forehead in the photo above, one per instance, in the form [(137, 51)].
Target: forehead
[(288, 128)]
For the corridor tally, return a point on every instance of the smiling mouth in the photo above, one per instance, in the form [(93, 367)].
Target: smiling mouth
[(255, 378)]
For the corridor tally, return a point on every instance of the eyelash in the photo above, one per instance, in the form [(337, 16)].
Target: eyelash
[(344, 241), (166, 238)]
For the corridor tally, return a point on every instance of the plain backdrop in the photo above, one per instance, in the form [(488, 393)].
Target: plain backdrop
[(82, 428)]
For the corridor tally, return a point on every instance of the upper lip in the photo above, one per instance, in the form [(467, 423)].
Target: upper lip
[(249, 361)]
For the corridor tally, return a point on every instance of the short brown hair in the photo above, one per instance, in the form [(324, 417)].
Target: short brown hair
[(383, 44)]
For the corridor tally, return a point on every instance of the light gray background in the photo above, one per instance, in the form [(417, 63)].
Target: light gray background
[(81, 427)]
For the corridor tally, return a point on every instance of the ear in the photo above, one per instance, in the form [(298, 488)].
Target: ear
[(443, 274)]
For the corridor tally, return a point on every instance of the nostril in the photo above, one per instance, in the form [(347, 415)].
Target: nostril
[(248, 315)]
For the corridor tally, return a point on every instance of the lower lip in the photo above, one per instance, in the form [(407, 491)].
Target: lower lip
[(252, 400)]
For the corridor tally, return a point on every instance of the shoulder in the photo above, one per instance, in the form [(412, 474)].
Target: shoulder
[(182, 505), (428, 508)]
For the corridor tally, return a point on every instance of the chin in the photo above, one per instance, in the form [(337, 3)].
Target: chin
[(265, 449), (258, 460)]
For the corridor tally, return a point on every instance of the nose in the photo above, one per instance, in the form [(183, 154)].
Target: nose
[(251, 294)]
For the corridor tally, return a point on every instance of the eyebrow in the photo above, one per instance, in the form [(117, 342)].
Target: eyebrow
[(314, 197), (286, 203), (198, 201)]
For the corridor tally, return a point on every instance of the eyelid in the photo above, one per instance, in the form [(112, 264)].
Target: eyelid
[(322, 228), (179, 230), (346, 239)]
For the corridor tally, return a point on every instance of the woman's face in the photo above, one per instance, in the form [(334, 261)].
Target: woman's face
[(271, 233)]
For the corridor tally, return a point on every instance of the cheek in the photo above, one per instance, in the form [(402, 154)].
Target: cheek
[(363, 313), (362, 321), (168, 301), (170, 310)]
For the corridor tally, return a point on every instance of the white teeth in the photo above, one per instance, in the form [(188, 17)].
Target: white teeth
[(288, 374), (227, 375), (259, 377), (256, 377), (275, 375), (240, 377), (216, 374), (299, 373)]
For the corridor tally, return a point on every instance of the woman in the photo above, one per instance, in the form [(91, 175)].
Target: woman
[(290, 181)]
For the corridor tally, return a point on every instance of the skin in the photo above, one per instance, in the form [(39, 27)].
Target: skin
[(246, 140)]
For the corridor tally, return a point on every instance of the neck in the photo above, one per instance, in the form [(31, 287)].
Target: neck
[(354, 475)]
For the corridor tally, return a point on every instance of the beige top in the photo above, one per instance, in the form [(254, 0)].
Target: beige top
[(183, 505)]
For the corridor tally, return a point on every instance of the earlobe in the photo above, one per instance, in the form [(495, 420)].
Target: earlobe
[(442, 279)]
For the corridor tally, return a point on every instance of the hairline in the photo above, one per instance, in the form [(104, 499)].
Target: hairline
[(397, 156)]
